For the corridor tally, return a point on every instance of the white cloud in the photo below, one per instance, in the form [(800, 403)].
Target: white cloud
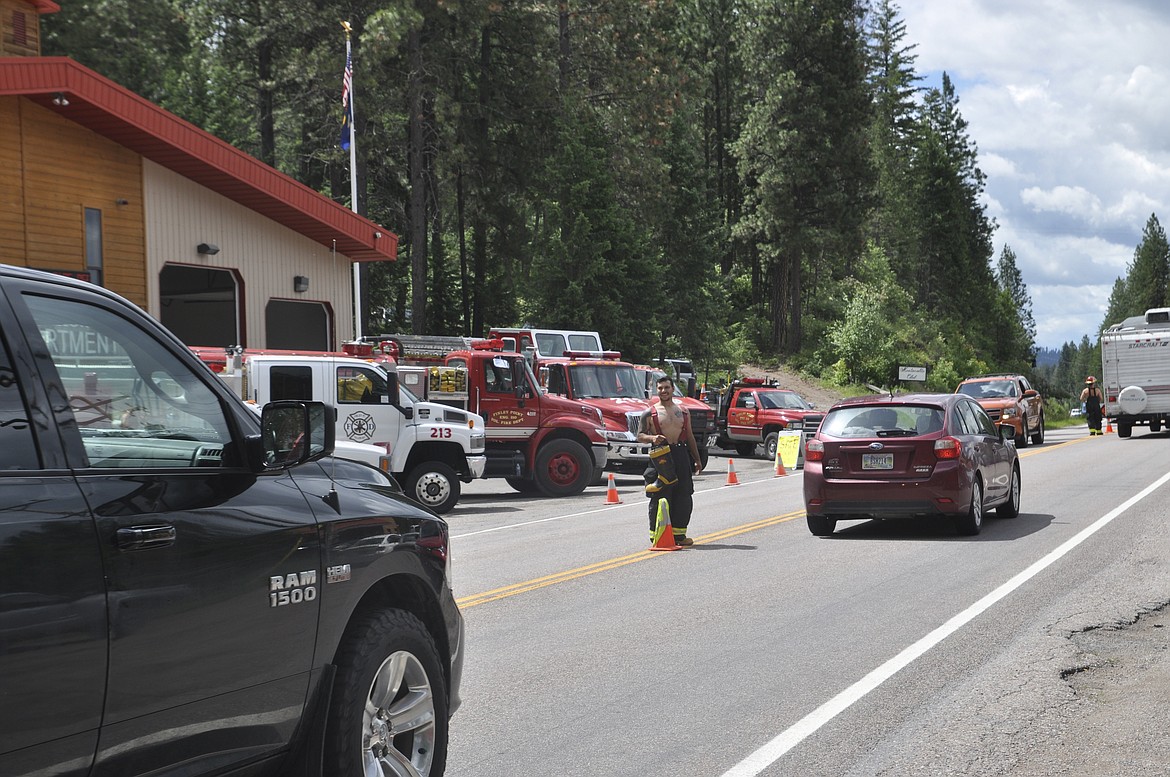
[(1067, 105)]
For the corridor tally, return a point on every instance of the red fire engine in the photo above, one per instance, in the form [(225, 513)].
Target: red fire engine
[(536, 441)]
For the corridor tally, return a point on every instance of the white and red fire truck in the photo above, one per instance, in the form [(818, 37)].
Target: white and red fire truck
[(431, 447)]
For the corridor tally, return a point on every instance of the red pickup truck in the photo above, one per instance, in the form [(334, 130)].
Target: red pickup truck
[(753, 411)]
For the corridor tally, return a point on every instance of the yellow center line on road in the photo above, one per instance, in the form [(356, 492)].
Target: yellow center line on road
[(614, 563), (1057, 446)]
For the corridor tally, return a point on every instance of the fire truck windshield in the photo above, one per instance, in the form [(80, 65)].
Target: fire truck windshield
[(605, 381)]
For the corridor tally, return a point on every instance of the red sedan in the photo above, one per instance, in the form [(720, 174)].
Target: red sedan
[(932, 455)]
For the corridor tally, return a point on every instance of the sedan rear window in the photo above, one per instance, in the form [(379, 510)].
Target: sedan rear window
[(883, 421)]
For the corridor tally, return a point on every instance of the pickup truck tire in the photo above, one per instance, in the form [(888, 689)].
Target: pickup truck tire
[(1038, 437), (435, 485), (388, 714), (563, 468), (745, 449), (770, 444), (1022, 437)]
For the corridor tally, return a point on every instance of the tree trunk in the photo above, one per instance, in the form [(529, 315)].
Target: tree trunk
[(418, 186), (266, 101)]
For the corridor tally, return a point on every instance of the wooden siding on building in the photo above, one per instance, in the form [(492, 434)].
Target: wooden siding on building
[(53, 169), (20, 29), (181, 214), (12, 243)]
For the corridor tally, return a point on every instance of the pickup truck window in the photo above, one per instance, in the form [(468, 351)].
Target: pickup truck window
[(356, 385), (136, 405), (290, 382), (17, 450)]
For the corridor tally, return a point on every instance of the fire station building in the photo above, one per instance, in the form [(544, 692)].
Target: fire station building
[(99, 183)]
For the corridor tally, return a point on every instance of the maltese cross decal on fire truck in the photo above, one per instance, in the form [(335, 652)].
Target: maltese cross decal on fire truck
[(359, 427)]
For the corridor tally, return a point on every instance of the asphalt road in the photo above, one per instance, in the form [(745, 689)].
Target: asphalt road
[(887, 649)]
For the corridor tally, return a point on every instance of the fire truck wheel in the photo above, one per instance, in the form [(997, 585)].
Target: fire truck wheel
[(435, 485), (563, 468), (523, 485)]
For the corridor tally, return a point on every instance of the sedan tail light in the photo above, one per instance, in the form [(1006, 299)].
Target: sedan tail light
[(814, 451), (948, 448)]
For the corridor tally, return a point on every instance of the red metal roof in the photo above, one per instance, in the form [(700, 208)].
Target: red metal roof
[(99, 104)]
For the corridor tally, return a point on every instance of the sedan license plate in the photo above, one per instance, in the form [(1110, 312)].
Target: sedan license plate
[(877, 461)]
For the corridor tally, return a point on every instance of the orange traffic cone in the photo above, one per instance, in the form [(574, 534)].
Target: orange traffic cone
[(780, 471), (663, 537), (1108, 426), (732, 480), (611, 494)]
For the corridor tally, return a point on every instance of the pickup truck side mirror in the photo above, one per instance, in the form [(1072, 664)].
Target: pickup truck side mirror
[(295, 432)]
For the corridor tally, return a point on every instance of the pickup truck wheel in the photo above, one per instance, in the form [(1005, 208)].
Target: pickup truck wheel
[(388, 714), (563, 468), (435, 485), (745, 449), (770, 444), (1038, 437), (1022, 437), (1124, 430)]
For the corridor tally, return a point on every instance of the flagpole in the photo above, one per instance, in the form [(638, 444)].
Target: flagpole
[(353, 190)]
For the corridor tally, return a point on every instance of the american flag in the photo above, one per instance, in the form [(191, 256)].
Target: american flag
[(346, 102)]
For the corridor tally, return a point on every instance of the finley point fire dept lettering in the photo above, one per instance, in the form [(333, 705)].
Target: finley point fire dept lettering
[(507, 417)]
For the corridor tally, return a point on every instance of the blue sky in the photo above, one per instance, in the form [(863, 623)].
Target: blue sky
[(1068, 104)]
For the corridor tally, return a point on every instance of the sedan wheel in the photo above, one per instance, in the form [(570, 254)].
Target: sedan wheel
[(972, 522), (821, 527), (1011, 508)]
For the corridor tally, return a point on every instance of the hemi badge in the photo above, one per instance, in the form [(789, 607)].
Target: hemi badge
[(338, 574)]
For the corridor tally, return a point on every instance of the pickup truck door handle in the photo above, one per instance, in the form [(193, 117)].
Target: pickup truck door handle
[(143, 537)]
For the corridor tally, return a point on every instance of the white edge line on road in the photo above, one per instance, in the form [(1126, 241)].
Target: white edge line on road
[(773, 750), (606, 508)]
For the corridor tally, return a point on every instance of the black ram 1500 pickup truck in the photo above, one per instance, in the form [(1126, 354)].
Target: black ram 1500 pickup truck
[(186, 588)]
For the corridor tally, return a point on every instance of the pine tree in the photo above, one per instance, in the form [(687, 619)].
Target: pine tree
[(803, 153), (1011, 282), (1150, 270)]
